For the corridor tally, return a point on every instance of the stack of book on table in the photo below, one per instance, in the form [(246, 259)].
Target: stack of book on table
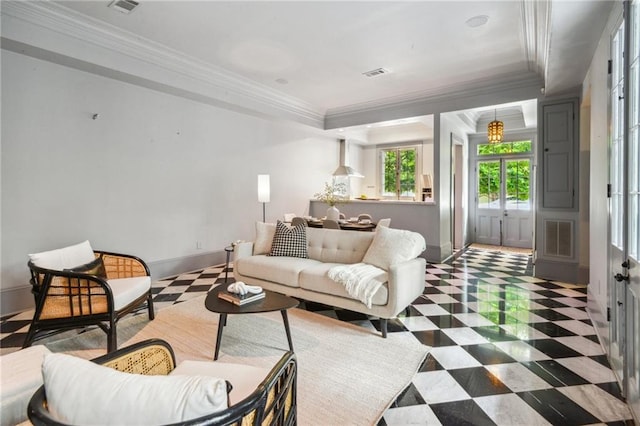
[(239, 299)]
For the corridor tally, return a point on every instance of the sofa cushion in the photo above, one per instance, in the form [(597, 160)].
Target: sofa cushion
[(282, 270), (338, 246), (290, 242), (316, 278), (63, 258), (264, 237), (126, 290), (82, 392), (391, 246)]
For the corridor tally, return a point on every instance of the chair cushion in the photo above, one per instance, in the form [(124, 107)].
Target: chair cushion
[(289, 242), (391, 246), (64, 258), (126, 290), (20, 377), (82, 392), (244, 378)]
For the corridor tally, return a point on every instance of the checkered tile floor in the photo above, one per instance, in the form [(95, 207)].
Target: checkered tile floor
[(507, 348)]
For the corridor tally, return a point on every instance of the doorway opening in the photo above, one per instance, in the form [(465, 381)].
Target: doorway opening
[(504, 194)]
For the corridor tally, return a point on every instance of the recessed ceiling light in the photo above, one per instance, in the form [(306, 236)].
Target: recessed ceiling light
[(477, 21)]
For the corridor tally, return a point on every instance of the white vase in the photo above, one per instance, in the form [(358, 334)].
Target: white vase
[(333, 213)]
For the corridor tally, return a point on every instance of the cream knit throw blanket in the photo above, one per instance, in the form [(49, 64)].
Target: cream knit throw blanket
[(361, 280)]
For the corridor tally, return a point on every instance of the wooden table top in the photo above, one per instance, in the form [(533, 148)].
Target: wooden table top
[(272, 301)]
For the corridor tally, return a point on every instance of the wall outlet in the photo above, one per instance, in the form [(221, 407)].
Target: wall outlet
[(198, 244)]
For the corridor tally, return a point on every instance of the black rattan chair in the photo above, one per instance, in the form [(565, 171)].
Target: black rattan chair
[(67, 300), (272, 403)]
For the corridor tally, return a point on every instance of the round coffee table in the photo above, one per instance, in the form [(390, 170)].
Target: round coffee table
[(271, 302)]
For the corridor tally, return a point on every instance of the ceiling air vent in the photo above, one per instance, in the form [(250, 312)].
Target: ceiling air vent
[(124, 6), (377, 71)]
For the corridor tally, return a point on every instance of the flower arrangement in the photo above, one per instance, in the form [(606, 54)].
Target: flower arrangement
[(333, 193)]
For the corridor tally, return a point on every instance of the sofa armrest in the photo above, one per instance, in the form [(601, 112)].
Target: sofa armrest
[(243, 249), (406, 283)]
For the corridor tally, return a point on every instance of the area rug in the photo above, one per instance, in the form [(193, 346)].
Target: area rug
[(347, 375)]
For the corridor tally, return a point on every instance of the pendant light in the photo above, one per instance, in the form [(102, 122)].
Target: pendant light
[(495, 130)]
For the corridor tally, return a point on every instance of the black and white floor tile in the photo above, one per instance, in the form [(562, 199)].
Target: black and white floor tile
[(507, 348)]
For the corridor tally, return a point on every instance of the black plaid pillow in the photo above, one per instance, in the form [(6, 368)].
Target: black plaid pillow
[(291, 242)]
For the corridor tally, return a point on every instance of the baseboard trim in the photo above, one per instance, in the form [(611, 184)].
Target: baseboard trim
[(16, 299), (556, 271), (437, 254), (171, 267)]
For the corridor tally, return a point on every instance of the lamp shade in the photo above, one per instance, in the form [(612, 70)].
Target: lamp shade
[(495, 130), (264, 189)]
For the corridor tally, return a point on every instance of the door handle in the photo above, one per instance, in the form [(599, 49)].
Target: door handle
[(619, 277)]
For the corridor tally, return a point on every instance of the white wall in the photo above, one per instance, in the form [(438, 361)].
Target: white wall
[(151, 176)]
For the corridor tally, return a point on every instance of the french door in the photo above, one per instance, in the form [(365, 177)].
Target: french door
[(503, 202), (624, 205)]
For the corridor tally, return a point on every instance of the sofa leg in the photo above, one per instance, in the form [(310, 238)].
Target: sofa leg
[(383, 327)]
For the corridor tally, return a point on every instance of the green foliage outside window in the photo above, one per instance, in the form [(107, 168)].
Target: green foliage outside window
[(518, 147), (517, 182), (399, 172)]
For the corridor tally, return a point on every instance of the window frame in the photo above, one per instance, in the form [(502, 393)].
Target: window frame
[(381, 150)]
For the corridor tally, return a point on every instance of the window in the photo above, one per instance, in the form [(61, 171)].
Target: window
[(617, 135), (519, 147), (634, 134), (399, 171)]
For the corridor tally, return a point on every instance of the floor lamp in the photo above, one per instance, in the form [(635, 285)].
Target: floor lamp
[(264, 192)]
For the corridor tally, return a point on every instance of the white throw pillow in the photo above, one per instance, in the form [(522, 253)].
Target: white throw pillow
[(391, 246), (81, 392), (64, 258), (264, 237)]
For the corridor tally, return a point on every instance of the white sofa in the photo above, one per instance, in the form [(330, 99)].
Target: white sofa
[(307, 278)]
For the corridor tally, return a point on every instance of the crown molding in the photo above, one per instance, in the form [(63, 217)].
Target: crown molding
[(536, 27), (164, 61), (499, 89)]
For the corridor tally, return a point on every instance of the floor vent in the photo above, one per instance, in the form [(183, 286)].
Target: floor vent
[(124, 6), (377, 71), (558, 238)]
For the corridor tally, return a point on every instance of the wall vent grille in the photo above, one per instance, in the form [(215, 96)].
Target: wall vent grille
[(558, 238), (376, 72), (124, 6)]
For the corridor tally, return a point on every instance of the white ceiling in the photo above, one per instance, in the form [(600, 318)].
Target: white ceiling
[(316, 51)]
